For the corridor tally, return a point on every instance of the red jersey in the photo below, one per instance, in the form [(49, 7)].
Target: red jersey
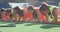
[(28, 16)]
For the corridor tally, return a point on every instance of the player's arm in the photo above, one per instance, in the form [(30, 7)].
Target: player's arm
[(55, 15)]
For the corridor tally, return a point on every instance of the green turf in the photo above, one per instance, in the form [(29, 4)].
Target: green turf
[(29, 27)]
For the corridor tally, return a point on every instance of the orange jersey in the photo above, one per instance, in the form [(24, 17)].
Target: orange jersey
[(28, 16), (42, 17), (5, 16)]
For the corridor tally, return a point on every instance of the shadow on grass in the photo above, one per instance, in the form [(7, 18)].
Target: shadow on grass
[(16, 22), (48, 26), (7, 24), (30, 24), (0, 31)]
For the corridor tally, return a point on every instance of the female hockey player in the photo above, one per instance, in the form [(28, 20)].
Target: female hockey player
[(50, 12)]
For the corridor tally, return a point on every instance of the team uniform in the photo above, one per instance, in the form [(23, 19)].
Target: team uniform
[(52, 9)]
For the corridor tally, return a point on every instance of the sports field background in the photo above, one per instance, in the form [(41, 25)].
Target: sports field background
[(31, 27)]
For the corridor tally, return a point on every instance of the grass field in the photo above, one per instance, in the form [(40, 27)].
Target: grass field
[(31, 27)]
